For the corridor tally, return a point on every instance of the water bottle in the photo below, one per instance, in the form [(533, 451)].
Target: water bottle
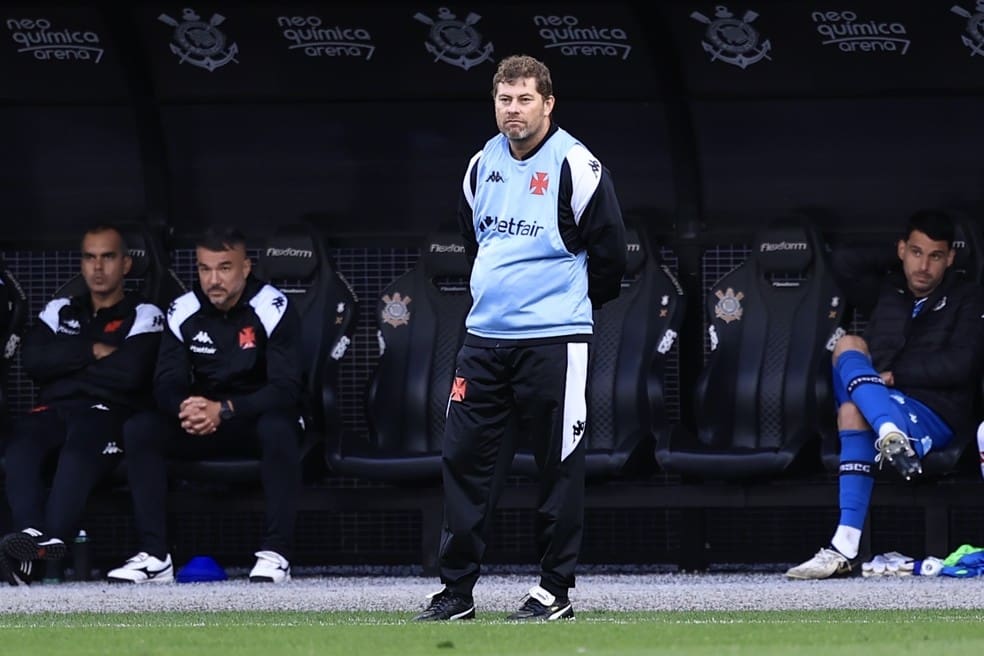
[(54, 571), (81, 557)]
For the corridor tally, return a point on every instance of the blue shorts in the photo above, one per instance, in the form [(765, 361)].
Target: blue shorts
[(923, 425)]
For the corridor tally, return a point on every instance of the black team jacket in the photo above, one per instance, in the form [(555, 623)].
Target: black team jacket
[(936, 357), (249, 355), (57, 351)]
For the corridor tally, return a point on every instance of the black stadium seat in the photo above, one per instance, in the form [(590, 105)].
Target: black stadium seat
[(151, 263), (421, 319), (633, 337), (13, 319), (764, 392), (295, 259)]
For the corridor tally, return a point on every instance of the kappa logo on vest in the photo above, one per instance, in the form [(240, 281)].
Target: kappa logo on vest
[(495, 176)]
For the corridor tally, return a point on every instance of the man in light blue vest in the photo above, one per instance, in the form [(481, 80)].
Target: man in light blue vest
[(544, 229)]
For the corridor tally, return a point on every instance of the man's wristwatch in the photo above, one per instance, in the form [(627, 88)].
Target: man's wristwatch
[(225, 411)]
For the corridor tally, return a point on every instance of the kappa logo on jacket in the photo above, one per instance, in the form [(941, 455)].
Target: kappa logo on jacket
[(198, 342), (111, 448), (70, 327)]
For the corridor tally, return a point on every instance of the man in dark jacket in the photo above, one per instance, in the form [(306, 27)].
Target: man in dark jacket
[(228, 381), (93, 357), (908, 386)]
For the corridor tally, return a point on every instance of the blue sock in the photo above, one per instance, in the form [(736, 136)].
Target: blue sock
[(867, 391), (857, 463)]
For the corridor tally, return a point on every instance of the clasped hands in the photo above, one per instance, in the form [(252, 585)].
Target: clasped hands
[(199, 416)]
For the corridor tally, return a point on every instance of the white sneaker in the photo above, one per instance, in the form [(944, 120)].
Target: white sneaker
[(827, 563), (143, 568), (270, 567)]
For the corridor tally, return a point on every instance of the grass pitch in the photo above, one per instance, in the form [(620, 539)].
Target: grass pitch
[(826, 633)]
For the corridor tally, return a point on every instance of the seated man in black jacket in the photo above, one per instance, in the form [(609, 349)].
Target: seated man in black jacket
[(908, 386), (93, 357), (228, 380)]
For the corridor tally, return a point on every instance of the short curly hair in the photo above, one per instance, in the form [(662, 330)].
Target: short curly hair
[(518, 67)]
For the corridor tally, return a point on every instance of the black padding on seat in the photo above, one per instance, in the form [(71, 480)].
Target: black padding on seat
[(138, 247), (443, 254), (633, 339), (151, 264), (289, 255), (636, 253), (13, 320), (969, 245), (783, 249), (420, 318), (764, 392)]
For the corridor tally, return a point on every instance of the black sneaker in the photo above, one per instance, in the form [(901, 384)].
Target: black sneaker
[(15, 572), (447, 605), (540, 605), (32, 544)]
